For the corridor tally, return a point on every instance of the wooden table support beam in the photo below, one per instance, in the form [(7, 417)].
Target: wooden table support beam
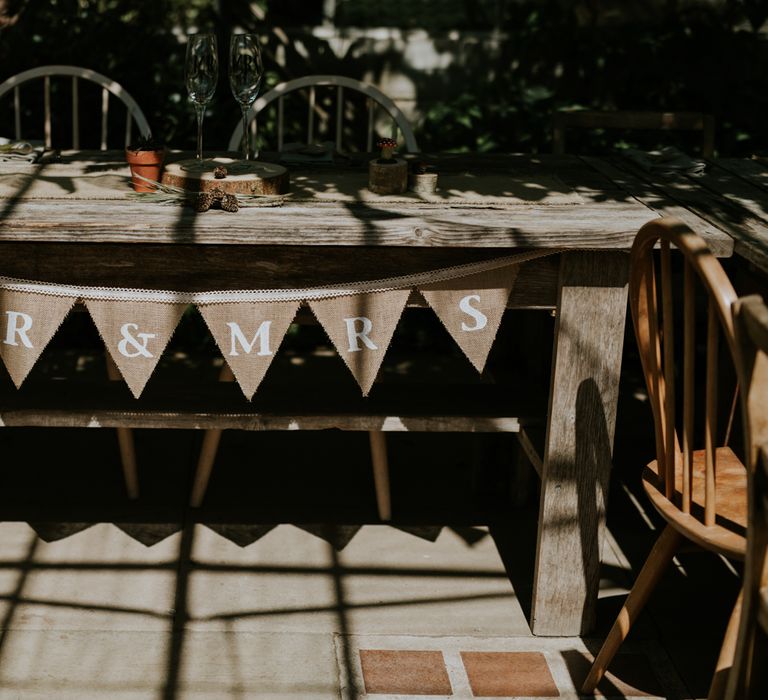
[(592, 302)]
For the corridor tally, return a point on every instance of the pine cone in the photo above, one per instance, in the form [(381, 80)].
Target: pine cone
[(219, 172), (229, 203), (217, 193), (203, 201)]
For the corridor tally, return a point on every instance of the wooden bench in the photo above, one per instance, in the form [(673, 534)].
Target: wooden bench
[(648, 121)]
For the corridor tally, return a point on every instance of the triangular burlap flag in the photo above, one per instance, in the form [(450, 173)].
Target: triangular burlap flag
[(248, 335), (471, 308), (361, 328), (135, 334), (27, 324)]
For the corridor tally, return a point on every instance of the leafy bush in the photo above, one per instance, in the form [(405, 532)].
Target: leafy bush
[(644, 55)]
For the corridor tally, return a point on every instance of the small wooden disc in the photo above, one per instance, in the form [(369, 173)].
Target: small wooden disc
[(243, 176)]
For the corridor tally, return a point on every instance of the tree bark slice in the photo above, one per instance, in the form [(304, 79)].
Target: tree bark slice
[(388, 178), (243, 176)]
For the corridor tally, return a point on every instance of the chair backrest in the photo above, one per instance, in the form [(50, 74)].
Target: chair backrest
[(660, 121), (749, 676), (653, 313), (375, 100), (134, 113)]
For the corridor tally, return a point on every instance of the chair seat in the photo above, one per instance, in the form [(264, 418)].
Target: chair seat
[(728, 535)]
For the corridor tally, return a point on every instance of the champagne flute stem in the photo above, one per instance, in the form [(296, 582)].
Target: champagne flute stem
[(246, 136), (200, 111)]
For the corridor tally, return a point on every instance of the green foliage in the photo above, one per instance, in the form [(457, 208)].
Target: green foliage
[(525, 59), (433, 15), (557, 56)]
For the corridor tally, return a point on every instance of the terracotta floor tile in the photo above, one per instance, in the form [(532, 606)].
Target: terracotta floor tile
[(630, 675), (505, 673), (405, 672)]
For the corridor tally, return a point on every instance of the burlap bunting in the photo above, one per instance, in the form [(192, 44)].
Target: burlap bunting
[(361, 328), (248, 336), (135, 335), (249, 326), (27, 324), (471, 309)]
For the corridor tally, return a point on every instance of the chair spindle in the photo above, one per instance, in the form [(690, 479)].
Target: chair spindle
[(128, 125), (254, 127), (75, 115), (339, 116), (17, 112), (311, 118), (669, 371), (104, 117), (653, 358), (47, 109), (371, 109), (689, 348), (710, 425)]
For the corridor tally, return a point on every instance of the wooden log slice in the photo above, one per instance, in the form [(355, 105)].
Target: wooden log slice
[(243, 176)]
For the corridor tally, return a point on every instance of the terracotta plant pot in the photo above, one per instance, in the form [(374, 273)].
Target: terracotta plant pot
[(148, 164)]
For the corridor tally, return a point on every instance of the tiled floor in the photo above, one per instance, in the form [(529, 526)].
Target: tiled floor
[(389, 615), (521, 667), (161, 608)]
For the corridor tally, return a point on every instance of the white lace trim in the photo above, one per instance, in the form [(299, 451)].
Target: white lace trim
[(268, 295)]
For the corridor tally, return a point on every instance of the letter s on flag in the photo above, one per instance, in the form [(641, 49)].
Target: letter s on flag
[(481, 320)]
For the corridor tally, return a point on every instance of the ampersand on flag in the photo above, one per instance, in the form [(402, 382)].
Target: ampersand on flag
[(138, 342)]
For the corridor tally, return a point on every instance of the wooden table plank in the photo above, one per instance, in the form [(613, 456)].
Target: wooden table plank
[(751, 170), (657, 200), (600, 216), (746, 213), (700, 196), (604, 225)]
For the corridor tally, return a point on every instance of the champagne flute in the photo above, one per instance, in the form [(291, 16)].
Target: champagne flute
[(245, 72), (201, 74)]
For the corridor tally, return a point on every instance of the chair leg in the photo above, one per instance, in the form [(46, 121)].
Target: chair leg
[(208, 452), (658, 560), (125, 443), (727, 653), (381, 473)]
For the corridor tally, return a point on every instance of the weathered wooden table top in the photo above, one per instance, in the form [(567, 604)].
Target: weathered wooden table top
[(729, 204)]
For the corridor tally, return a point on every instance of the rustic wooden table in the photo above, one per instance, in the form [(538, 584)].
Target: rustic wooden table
[(135, 244)]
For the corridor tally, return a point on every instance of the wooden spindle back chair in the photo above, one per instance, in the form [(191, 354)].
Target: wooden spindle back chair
[(134, 115), (702, 494), (109, 87), (684, 483), (631, 121), (376, 100), (748, 679)]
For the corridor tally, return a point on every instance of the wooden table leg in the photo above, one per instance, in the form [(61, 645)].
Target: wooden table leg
[(208, 452), (589, 338), (125, 441)]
